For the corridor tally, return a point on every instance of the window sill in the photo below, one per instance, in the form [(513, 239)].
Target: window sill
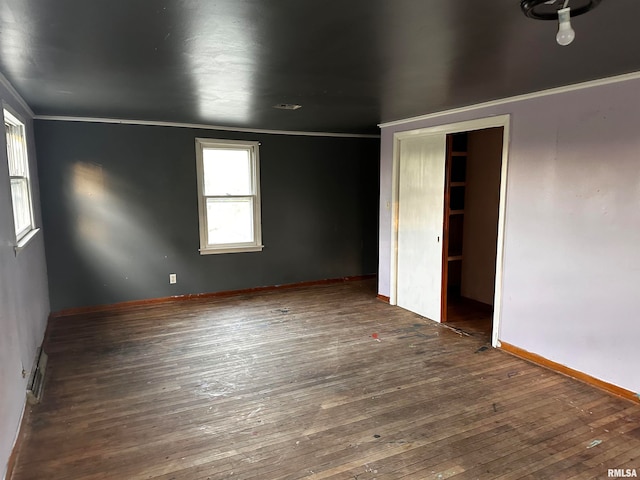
[(213, 251), (26, 240)]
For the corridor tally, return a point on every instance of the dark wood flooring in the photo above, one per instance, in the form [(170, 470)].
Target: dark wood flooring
[(321, 382), (469, 317)]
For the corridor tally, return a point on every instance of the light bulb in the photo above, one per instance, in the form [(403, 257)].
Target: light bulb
[(566, 34)]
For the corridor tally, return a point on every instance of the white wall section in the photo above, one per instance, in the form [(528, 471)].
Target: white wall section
[(571, 265), (24, 297)]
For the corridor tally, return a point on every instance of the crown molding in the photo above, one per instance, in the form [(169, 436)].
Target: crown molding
[(199, 126), (7, 84), (518, 98)]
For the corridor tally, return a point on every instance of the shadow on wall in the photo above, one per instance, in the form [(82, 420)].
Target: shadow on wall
[(103, 223)]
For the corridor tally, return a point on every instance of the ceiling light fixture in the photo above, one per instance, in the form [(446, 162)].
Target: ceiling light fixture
[(566, 33), (558, 10)]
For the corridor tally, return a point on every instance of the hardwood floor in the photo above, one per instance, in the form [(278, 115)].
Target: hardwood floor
[(321, 382), (470, 317)]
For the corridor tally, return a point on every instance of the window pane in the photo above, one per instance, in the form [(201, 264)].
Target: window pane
[(229, 220), (21, 207), (19, 173), (226, 171), (15, 150)]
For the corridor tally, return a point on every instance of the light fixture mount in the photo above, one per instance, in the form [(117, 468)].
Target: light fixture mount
[(548, 9)]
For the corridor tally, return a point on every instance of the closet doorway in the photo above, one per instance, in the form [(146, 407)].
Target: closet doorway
[(473, 168), (448, 219)]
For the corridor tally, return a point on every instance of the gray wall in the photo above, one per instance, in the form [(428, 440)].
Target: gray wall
[(120, 209), (24, 298)]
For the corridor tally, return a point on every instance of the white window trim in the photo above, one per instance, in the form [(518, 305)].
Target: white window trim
[(22, 238), (256, 245), (25, 240)]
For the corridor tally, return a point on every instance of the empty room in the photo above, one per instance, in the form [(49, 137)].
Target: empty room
[(354, 240)]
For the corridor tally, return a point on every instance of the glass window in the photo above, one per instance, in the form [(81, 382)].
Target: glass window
[(229, 196), (19, 175)]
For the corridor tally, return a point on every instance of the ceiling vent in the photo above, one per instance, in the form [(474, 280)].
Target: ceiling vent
[(287, 106)]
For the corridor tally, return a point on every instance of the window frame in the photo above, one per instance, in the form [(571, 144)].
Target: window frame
[(13, 120), (254, 162)]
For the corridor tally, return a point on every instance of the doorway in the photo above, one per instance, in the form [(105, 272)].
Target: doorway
[(428, 275), (470, 229)]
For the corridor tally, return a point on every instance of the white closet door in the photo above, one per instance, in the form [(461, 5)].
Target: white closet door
[(420, 224)]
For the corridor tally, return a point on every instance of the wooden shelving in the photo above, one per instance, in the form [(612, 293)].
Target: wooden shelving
[(455, 190)]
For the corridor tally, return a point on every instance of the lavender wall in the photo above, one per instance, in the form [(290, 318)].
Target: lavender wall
[(24, 298), (572, 228)]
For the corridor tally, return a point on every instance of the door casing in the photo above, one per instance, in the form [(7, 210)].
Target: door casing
[(443, 130)]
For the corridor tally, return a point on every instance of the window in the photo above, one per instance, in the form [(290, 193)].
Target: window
[(19, 176), (228, 196)]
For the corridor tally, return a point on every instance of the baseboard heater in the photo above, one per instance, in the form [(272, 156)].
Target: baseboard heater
[(36, 380)]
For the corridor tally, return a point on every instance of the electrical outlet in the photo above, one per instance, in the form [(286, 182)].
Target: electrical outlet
[(173, 278)]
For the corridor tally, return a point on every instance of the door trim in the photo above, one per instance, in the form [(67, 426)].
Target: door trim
[(466, 126)]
